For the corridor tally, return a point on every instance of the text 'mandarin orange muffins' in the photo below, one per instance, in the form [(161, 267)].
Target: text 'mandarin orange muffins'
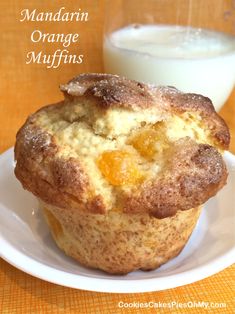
[(121, 169)]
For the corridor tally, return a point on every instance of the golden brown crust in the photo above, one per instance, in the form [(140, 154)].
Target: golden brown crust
[(192, 172), (108, 90), (57, 181), (179, 102)]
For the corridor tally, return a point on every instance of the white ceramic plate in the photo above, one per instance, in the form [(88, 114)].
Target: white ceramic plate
[(26, 243)]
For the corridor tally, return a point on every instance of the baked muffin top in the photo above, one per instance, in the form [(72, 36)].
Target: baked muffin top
[(117, 144)]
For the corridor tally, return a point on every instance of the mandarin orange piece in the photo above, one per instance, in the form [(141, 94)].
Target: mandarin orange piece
[(144, 142), (151, 140), (119, 167)]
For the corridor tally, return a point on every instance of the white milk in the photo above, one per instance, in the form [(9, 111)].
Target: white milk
[(193, 60)]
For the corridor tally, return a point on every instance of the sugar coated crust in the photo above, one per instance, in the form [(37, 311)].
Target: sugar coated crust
[(109, 91), (57, 148)]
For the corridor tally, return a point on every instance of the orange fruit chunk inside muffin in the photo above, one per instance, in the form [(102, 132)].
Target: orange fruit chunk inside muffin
[(119, 167)]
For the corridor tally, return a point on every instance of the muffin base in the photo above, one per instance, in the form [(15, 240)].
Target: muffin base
[(119, 243)]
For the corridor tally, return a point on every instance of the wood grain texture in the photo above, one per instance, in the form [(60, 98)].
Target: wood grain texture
[(25, 88)]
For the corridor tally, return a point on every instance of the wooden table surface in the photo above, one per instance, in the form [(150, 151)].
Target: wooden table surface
[(25, 88)]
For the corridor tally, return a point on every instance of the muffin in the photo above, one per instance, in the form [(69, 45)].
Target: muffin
[(121, 169)]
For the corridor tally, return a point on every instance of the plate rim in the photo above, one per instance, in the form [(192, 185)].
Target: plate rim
[(118, 285), (109, 285)]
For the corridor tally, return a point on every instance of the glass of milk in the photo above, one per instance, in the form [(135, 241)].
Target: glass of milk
[(189, 44)]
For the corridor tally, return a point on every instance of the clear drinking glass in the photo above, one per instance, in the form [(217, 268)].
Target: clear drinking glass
[(189, 44)]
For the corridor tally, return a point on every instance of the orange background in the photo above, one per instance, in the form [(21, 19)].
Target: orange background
[(25, 88)]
